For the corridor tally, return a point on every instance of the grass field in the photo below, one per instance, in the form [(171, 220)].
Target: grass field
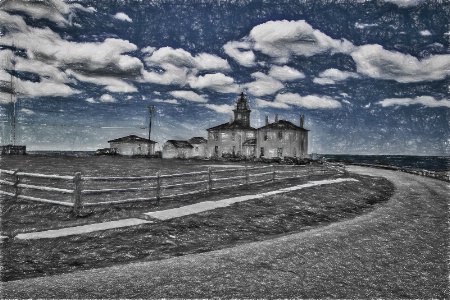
[(240, 223)]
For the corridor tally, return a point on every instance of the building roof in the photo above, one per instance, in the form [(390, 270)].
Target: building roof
[(132, 139), (197, 140), (179, 144), (231, 126), (283, 125)]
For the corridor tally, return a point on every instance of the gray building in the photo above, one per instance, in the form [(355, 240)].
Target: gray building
[(132, 145), (237, 138)]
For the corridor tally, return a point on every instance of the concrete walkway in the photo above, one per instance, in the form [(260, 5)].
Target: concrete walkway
[(210, 205), (80, 229), (399, 250), (164, 214)]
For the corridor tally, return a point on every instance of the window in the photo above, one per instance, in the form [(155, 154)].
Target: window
[(265, 136), (262, 152), (234, 150), (280, 135), (233, 136), (216, 136), (280, 152), (216, 150)]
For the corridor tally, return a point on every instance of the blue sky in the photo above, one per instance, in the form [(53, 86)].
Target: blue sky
[(371, 77)]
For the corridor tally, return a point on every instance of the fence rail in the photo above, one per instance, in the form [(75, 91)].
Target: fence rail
[(160, 186)]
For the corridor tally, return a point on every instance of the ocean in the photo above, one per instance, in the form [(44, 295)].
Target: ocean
[(431, 163)]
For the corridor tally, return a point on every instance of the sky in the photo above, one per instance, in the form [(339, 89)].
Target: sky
[(371, 77)]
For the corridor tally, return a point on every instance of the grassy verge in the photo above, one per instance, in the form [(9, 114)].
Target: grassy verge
[(225, 227)]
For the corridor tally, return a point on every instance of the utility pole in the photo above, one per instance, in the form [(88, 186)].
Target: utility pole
[(150, 109)]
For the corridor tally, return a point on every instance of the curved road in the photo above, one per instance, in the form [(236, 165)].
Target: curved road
[(397, 251)]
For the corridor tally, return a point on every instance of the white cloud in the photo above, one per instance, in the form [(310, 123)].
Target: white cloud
[(330, 76), (107, 98), (217, 82), (54, 10), (222, 109), (111, 84), (364, 25), (263, 103), (27, 111), (310, 101), (240, 52), (263, 85), (283, 39), (207, 61), (376, 62), (91, 100), (181, 58), (285, 73), (122, 17), (425, 33), (406, 3), (170, 101), (189, 95), (171, 75), (148, 50), (427, 101)]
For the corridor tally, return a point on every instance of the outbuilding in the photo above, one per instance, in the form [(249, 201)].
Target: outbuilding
[(133, 145)]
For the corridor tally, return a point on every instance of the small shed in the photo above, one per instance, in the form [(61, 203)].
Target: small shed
[(133, 145), (199, 146), (177, 149)]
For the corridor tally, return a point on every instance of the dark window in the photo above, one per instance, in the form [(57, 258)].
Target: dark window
[(280, 135), (216, 136), (280, 152), (265, 136), (234, 150), (216, 150), (262, 151), (233, 136)]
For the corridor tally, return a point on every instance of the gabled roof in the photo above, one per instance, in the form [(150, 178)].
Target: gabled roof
[(179, 144), (231, 126), (282, 125), (197, 140), (132, 139)]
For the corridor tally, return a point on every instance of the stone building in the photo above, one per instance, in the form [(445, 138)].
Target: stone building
[(233, 138), (131, 145), (194, 147), (237, 138)]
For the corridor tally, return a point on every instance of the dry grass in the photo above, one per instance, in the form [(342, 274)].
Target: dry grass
[(240, 223)]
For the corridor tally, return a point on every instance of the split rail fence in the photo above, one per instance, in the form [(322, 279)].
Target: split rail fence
[(84, 191)]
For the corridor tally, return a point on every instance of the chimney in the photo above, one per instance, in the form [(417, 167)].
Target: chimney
[(302, 120), (276, 118), (267, 120)]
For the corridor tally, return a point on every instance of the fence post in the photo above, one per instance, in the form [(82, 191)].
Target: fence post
[(16, 184), (210, 182), (158, 187), (273, 173), (77, 201), (247, 176)]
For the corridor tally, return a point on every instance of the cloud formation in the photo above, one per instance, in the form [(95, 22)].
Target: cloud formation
[(263, 85), (122, 17), (310, 101), (376, 62), (285, 73), (427, 101), (281, 40), (331, 76), (221, 109), (189, 96), (218, 82)]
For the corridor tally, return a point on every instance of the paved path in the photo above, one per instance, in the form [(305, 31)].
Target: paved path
[(80, 229), (397, 251), (210, 205)]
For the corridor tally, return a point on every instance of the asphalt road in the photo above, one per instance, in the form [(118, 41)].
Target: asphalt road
[(397, 251)]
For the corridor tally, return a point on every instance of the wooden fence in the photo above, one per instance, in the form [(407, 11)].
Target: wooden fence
[(79, 189)]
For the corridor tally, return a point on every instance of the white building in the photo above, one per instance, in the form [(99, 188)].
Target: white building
[(132, 145)]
